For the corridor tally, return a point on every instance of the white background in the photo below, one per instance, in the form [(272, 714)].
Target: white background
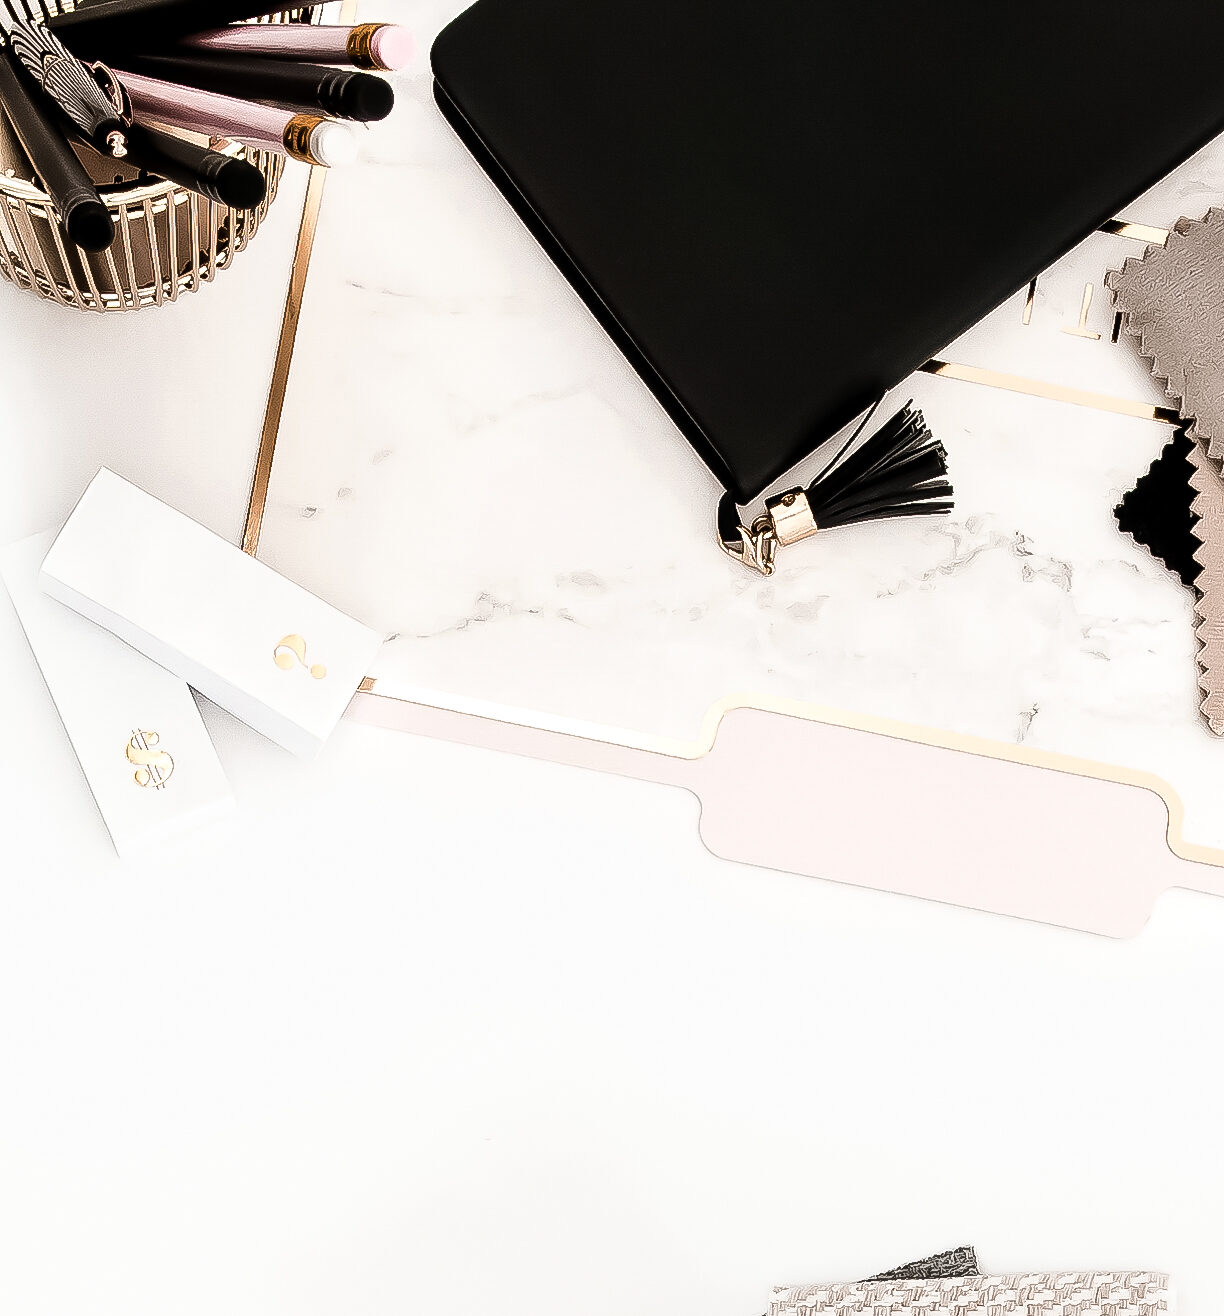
[(430, 1030), (433, 1030)]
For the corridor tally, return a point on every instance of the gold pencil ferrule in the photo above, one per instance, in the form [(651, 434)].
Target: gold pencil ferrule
[(297, 137), (360, 46)]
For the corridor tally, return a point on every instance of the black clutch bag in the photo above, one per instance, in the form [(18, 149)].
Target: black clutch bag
[(779, 211)]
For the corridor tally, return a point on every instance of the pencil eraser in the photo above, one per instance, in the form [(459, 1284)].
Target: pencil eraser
[(333, 144), (134, 727), (393, 47), (258, 645)]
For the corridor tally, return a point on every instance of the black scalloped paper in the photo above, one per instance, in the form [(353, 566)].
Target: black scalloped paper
[(1158, 512)]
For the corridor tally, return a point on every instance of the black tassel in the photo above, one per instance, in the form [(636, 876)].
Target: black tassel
[(901, 470)]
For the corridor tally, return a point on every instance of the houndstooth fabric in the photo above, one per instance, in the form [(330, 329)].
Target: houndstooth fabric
[(960, 1261), (1065, 1294)]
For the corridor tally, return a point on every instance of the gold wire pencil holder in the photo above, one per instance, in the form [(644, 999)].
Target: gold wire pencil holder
[(168, 240)]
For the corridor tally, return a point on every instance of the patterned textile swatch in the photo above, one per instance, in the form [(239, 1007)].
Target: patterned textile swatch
[(947, 1265), (1177, 512), (1172, 302), (1208, 508), (1158, 513), (1064, 1294)]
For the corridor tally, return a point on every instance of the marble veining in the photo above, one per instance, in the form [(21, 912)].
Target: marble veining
[(468, 464)]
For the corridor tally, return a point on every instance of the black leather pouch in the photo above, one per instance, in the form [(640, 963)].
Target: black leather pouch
[(781, 210)]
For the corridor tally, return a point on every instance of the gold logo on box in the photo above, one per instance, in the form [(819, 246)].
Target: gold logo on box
[(291, 653), (154, 767)]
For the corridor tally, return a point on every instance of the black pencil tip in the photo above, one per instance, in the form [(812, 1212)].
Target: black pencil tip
[(90, 226), (367, 98), (241, 184)]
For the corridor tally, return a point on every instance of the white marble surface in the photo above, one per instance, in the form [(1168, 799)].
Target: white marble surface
[(469, 465)]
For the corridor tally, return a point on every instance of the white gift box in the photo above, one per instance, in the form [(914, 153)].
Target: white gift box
[(263, 648), (135, 727)]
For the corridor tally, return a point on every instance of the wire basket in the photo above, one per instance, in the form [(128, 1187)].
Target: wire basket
[(168, 240)]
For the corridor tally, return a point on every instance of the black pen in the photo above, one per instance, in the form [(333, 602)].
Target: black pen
[(223, 178), (117, 26), (72, 86), (85, 217), (340, 93)]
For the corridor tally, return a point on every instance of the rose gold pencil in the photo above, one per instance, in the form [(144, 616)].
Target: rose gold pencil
[(383, 47), (310, 137)]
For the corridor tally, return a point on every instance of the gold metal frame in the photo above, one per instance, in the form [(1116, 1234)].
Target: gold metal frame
[(1144, 233), (1036, 388), (303, 249), (930, 736), (284, 361)]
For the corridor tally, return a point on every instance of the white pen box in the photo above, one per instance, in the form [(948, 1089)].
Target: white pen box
[(263, 648), (135, 728)]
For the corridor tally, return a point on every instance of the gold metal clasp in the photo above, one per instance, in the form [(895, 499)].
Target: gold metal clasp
[(757, 547), (788, 519), (790, 515)]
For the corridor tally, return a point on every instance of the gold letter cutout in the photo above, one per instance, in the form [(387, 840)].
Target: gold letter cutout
[(291, 652), (154, 767)]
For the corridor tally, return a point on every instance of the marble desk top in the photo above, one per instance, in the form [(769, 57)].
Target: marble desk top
[(467, 463)]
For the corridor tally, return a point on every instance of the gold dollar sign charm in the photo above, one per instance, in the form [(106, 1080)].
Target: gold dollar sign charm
[(291, 652), (154, 767)]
